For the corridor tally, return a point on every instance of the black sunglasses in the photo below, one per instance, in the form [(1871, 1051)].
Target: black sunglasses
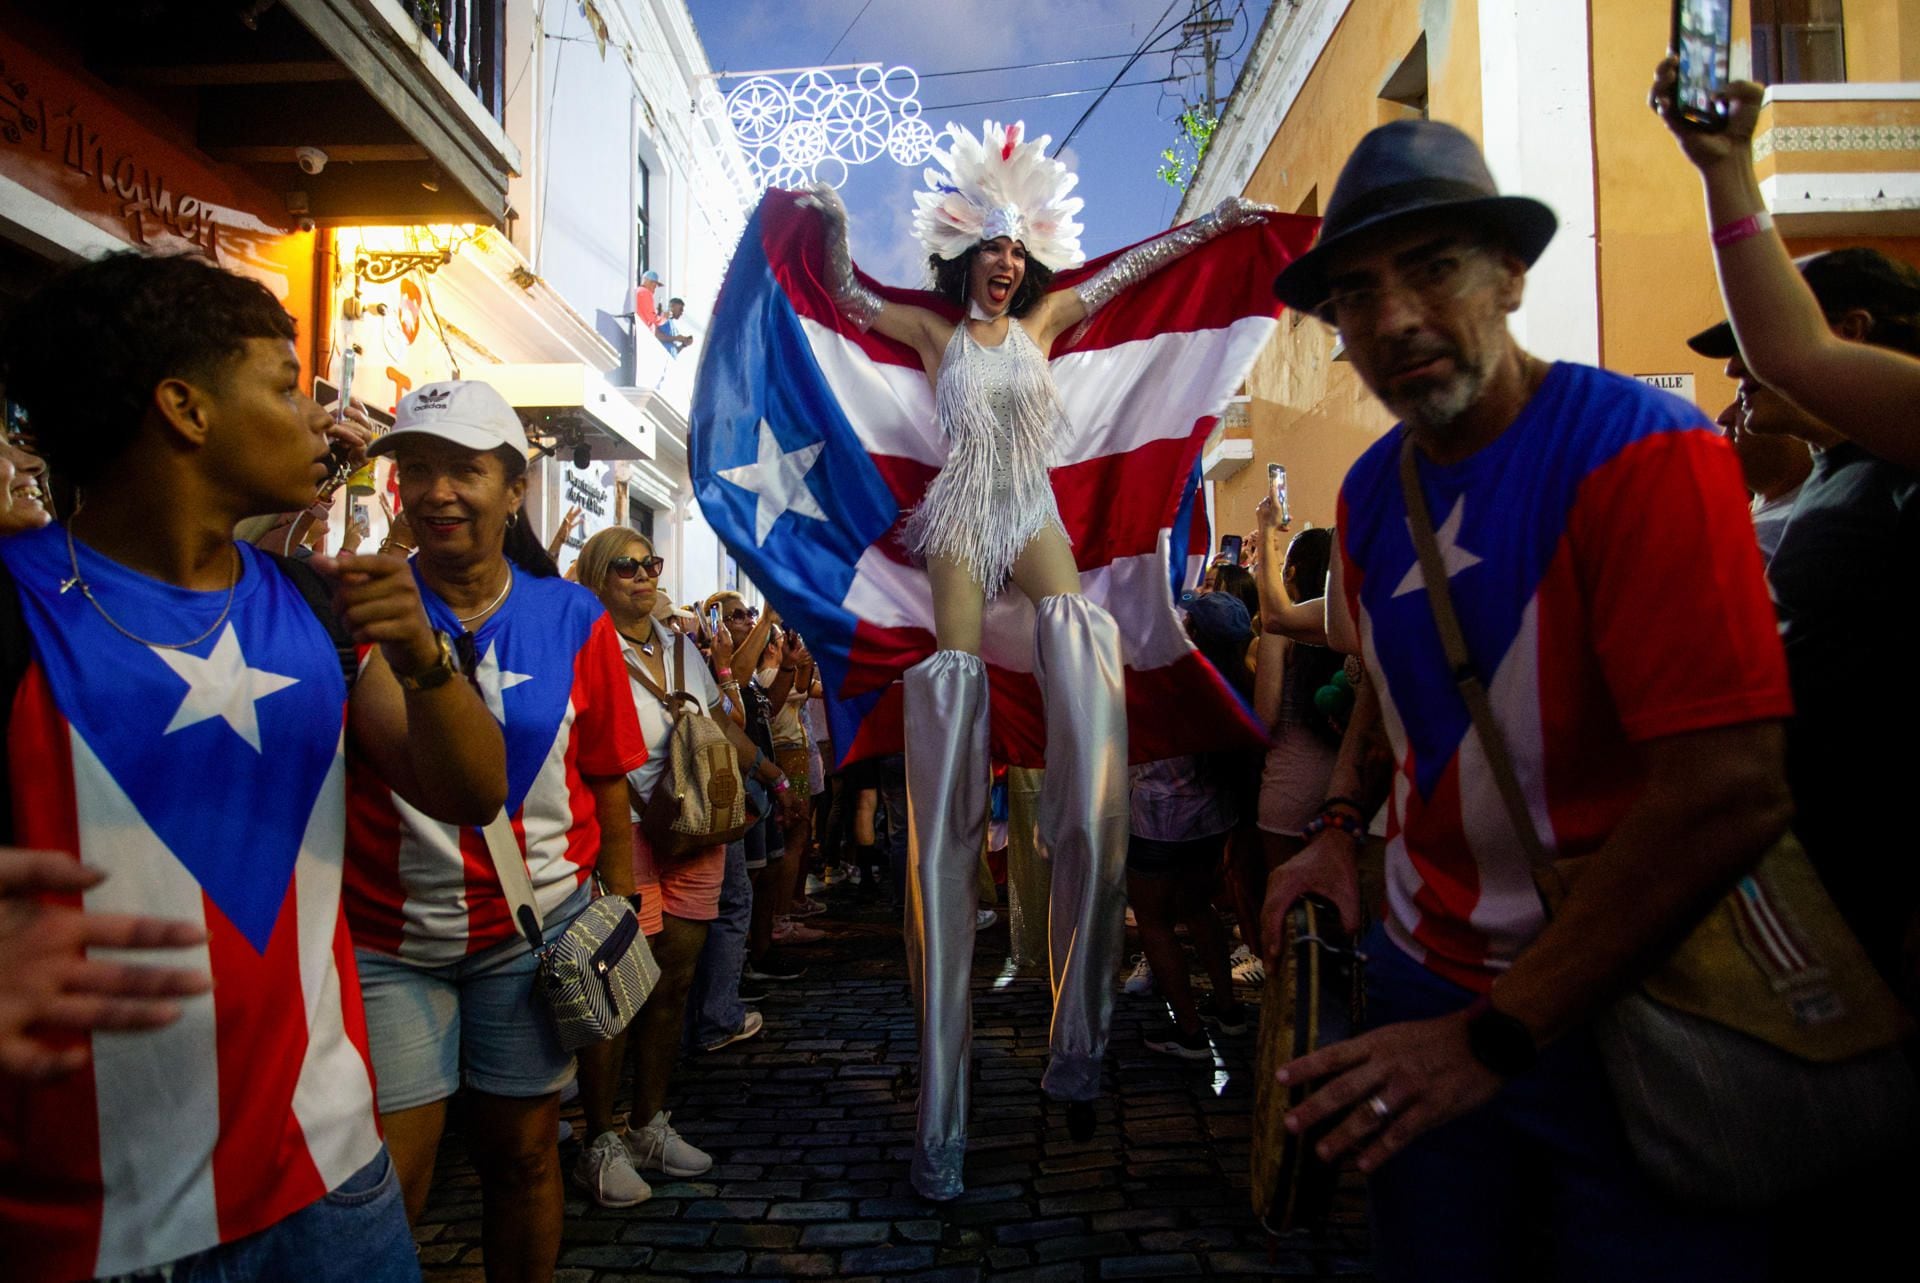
[(743, 612), (628, 567)]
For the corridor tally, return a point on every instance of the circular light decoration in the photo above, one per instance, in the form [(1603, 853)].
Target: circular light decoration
[(806, 126), (912, 141), (758, 110)]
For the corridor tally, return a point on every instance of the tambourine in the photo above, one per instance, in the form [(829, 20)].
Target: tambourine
[(1314, 998)]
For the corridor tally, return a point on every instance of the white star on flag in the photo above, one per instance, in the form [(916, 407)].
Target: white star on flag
[(1456, 558), (223, 686), (493, 680), (779, 478)]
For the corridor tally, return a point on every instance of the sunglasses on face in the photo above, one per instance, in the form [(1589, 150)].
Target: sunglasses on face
[(743, 612), (628, 567)]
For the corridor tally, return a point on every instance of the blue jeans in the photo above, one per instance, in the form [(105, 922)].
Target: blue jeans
[(714, 1009), (1544, 1162), (355, 1233)]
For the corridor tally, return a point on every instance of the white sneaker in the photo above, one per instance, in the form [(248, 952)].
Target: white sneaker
[(817, 885), (657, 1147), (984, 918), (1141, 981), (1248, 969), (605, 1171)]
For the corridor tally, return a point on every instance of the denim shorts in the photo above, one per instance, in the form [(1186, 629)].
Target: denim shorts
[(475, 1023), (355, 1233)]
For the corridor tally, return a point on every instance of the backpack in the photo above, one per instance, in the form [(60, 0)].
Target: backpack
[(16, 652), (700, 799)]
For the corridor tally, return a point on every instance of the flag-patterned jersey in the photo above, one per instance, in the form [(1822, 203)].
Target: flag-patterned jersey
[(812, 439), (1603, 567), (208, 783), (548, 664)]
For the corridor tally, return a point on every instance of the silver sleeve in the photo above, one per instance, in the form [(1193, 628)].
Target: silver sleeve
[(856, 302), (1143, 261)]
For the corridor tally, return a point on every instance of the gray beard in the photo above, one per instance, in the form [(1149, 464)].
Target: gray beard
[(1442, 407)]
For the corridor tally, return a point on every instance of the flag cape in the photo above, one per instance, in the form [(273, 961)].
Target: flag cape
[(811, 440)]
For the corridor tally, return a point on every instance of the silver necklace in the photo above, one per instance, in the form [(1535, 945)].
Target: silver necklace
[(490, 607), (86, 590)]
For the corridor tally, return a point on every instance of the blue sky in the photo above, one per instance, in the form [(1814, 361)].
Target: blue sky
[(1115, 153)]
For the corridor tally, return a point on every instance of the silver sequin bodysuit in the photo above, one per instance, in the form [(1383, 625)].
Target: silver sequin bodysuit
[(1001, 417)]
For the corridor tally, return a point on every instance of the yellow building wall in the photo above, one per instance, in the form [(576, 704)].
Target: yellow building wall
[(1307, 411), (1657, 284), (1883, 39)]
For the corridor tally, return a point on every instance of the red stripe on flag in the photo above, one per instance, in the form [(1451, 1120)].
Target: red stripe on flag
[(1117, 505), (50, 1181), (262, 1170)]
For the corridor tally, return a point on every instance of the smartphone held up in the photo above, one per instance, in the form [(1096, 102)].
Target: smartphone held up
[(1703, 40), (1277, 488)]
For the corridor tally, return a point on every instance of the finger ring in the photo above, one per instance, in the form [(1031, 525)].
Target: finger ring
[(1381, 1111)]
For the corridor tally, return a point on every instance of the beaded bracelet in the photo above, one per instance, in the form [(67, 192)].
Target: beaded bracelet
[(1339, 820)]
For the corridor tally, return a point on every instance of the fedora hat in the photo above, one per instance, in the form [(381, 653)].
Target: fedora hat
[(1406, 170)]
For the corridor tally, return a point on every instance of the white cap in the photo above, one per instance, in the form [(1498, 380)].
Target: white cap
[(470, 414)]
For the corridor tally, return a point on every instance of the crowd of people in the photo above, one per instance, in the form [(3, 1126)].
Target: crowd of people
[(1675, 654)]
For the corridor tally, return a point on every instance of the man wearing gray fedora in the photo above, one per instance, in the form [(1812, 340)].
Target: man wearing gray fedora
[(1563, 501)]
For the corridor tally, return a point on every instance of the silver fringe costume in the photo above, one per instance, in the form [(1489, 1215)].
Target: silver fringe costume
[(1002, 418)]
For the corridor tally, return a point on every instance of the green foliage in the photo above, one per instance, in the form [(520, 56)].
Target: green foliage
[(1180, 162)]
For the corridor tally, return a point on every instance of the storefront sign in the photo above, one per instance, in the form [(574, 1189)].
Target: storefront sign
[(148, 201), (589, 489)]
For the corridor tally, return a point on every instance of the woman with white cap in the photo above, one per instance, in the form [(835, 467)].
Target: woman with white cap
[(448, 982), (997, 222)]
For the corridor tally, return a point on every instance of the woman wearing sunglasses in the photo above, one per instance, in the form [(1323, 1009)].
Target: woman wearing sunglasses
[(678, 899)]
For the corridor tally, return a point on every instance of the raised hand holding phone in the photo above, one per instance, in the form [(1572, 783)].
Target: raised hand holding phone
[(1703, 43)]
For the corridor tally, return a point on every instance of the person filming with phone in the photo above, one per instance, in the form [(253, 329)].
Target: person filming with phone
[(1865, 391)]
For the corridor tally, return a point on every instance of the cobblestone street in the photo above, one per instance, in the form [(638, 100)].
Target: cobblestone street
[(810, 1126)]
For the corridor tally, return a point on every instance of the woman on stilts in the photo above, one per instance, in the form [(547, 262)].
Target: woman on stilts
[(998, 223)]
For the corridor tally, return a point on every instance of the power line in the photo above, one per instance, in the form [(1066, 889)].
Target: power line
[(1064, 93), (849, 31), (1137, 55), (1025, 66)]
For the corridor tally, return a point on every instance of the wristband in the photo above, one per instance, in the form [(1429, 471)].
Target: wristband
[(723, 673), (1741, 228), (782, 784), (1339, 820), (1347, 802)]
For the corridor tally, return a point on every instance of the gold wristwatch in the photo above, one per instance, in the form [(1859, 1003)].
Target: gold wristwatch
[(435, 675)]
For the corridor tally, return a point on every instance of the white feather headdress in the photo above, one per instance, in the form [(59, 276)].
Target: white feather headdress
[(997, 185)]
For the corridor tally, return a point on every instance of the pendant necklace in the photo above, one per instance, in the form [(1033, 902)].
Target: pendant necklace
[(86, 590), (490, 607)]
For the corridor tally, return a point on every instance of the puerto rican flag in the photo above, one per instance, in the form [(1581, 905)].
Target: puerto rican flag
[(811, 441), (208, 782)]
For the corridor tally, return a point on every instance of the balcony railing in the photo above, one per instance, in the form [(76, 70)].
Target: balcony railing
[(469, 34)]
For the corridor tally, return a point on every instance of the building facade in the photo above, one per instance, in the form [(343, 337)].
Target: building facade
[(1555, 90), (467, 188)]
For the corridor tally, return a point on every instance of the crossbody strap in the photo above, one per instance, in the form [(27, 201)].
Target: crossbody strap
[(510, 866), (1493, 740)]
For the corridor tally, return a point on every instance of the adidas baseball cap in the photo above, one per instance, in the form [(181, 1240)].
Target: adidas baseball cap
[(470, 414)]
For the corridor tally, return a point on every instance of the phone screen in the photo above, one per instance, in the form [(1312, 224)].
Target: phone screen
[(1277, 483), (1703, 37), (1230, 549)]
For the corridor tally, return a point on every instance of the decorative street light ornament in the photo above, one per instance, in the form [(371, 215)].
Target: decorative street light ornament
[(799, 125)]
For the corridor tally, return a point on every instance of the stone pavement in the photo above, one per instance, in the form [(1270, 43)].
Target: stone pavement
[(810, 1126)]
